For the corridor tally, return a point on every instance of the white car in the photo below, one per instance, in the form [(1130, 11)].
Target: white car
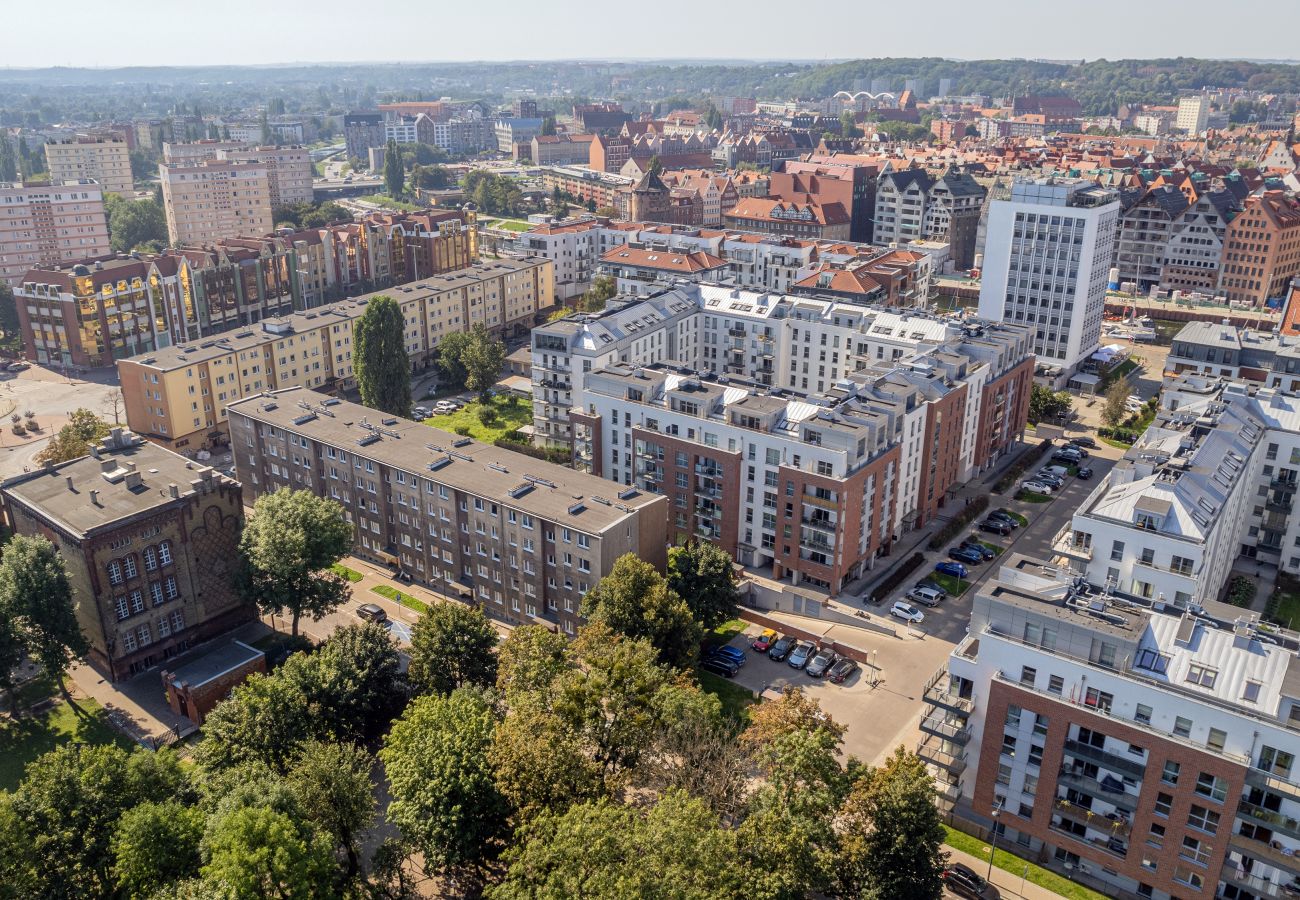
[(907, 612), (1037, 487), (442, 407)]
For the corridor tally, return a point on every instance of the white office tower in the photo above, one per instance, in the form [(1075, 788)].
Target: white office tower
[(1046, 258)]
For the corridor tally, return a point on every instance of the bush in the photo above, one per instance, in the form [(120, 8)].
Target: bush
[(1027, 458), (462, 430), (19, 429), (1241, 591), (973, 510), (1122, 435), (891, 581), (487, 415)]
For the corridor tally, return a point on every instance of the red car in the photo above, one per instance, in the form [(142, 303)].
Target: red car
[(764, 640)]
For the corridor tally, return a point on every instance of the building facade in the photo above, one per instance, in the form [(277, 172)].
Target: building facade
[(361, 132), (149, 540), (216, 199), (49, 225), (1261, 249), (522, 539), (104, 159)]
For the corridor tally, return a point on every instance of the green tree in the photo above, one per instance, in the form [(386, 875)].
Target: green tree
[(704, 576), (264, 720), (1044, 403), (548, 125), (136, 222), (254, 853), (328, 213), (539, 760), (605, 850), (394, 173), (13, 651), (34, 585), (8, 160), (75, 439), (1115, 403), (155, 844), (353, 680), (445, 799), (289, 542), (635, 600), (603, 287), (529, 660), (452, 646), (656, 165), (848, 124), (713, 118), (334, 789), (382, 365), (450, 350), (482, 359), (9, 321), (890, 834)]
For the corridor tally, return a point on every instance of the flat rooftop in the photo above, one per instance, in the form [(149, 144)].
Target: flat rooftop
[(214, 664)]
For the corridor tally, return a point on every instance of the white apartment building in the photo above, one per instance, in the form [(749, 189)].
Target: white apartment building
[(97, 158), (1142, 752), (289, 169), (49, 224), (1193, 113), (216, 199), (1047, 256)]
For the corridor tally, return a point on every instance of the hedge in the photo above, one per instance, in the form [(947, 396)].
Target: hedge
[(899, 575), (1241, 591), (558, 456), (1027, 458), (1123, 435), (974, 509)]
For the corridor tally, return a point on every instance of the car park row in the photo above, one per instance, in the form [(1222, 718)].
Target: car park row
[(818, 662)]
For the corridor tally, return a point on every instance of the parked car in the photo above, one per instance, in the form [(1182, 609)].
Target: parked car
[(371, 612), (996, 526), (985, 552), (955, 569), (964, 882), (1085, 473), (907, 612), (843, 668), (970, 557), (421, 412), (800, 655), (443, 407), (1003, 516), (733, 653), (1077, 449), (926, 596), (19, 366), (1037, 487), (1049, 479), (720, 665), (781, 649), (1084, 441), (821, 661), (1067, 456), (764, 641)]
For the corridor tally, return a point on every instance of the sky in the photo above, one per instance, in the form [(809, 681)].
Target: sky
[(243, 32)]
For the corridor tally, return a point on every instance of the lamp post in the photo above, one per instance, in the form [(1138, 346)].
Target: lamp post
[(993, 843)]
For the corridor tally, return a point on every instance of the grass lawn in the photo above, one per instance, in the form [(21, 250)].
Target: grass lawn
[(509, 224), (954, 586), (390, 203), (27, 738), (398, 597), (996, 548), (1119, 445), (351, 575), (1031, 497), (508, 419), (736, 699), (1284, 606), (1009, 862), (728, 630)]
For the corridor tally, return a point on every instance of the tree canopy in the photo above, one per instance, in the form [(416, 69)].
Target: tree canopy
[(1044, 403), (74, 440), (35, 590), (382, 365), (635, 600), (452, 646), (471, 358), (135, 224), (703, 575)]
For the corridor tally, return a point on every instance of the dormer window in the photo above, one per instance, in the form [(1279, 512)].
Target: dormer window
[(1146, 521)]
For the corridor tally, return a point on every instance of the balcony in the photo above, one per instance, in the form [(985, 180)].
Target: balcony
[(823, 502), (1260, 887), (1284, 484), (820, 524), (936, 694), (1256, 777), (1282, 503), (947, 793), (1111, 791), (1274, 821), (1111, 824), (1112, 761), (943, 727), (1065, 544), (1114, 846), (1267, 853), (931, 750)]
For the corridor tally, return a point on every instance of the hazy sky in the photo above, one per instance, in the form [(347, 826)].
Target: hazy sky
[(240, 32)]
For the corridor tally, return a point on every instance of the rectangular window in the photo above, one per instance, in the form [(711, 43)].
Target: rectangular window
[(156, 593), (1170, 773), (150, 559), (1211, 786), (1028, 675), (115, 572), (1013, 716), (1164, 803), (165, 553), (169, 587), (1216, 740), (1182, 726), (1202, 675), (1206, 820), (122, 610), (1142, 714), (1056, 684), (129, 564)]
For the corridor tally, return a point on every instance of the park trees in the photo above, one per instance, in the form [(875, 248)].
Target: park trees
[(289, 542), (452, 646), (635, 600), (1044, 404), (394, 171), (473, 359), (703, 575), (34, 588), (74, 440), (382, 365), (1115, 403)]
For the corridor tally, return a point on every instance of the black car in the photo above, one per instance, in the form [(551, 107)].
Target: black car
[(843, 668), (719, 665), (1083, 442), (963, 882), (1084, 473), (371, 612), (781, 649), (1003, 516), (979, 548), (995, 526)]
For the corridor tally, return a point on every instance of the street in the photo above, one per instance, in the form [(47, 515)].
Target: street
[(52, 396)]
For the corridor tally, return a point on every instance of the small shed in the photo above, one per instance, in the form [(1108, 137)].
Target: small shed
[(194, 688)]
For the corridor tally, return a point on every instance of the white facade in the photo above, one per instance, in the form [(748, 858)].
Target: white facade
[(49, 224), (1193, 113), (1046, 260)]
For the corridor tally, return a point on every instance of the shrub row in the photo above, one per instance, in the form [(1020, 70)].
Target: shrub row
[(1028, 457), (1123, 435), (1241, 591), (898, 576), (974, 509), (554, 455)]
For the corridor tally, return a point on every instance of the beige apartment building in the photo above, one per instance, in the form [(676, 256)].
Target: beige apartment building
[(105, 159), (521, 538), (177, 396), (49, 224), (289, 170), (216, 199)]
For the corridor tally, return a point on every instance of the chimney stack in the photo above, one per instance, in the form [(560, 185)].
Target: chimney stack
[(174, 490), (94, 498), (70, 487)]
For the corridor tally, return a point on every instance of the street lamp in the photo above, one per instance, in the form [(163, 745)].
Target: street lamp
[(993, 843)]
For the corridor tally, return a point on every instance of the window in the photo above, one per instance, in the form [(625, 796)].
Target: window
[(156, 593), (1182, 726), (1056, 684), (1189, 877), (178, 621), (128, 563), (1040, 725), (1164, 803), (144, 635), (1170, 773), (169, 586), (1216, 739), (122, 610), (128, 641), (1211, 786), (1250, 693), (1142, 714), (1030, 785), (1156, 836), (1013, 716), (1276, 762), (1028, 675), (1004, 774), (1008, 745), (150, 559), (1100, 699), (1206, 820), (1202, 675), (165, 553), (1192, 849), (115, 572)]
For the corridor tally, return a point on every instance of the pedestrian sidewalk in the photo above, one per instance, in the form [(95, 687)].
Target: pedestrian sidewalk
[(1009, 884), (374, 575)]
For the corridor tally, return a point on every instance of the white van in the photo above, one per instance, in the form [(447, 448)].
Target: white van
[(926, 596)]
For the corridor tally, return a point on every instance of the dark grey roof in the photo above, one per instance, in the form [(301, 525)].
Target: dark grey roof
[(906, 177), (960, 183)]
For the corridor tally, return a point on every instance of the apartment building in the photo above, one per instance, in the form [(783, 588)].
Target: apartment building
[(850, 180), (104, 159), (463, 135), (1193, 114), (177, 396), (1261, 249), (808, 220), (361, 131), (511, 132), (522, 539), (1047, 257), (216, 199), (149, 540), (638, 271), (1194, 251), (911, 206), (587, 185), (416, 129), (48, 225), (561, 149), (1139, 750), (288, 169)]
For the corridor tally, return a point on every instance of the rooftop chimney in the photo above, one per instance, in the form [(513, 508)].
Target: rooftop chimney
[(174, 490), (70, 487), (94, 497)]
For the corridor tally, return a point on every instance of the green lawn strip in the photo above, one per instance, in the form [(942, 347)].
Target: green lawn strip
[(1119, 445), (996, 548), (508, 418), (398, 597), (954, 586), (26, 738), (736, 699), (1017, 516), (384, 200), (1009, 862), (510, 224), (728, 630), (1031, 497), (343, 571)]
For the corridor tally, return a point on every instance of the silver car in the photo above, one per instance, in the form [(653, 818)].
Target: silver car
[(819, 664)]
